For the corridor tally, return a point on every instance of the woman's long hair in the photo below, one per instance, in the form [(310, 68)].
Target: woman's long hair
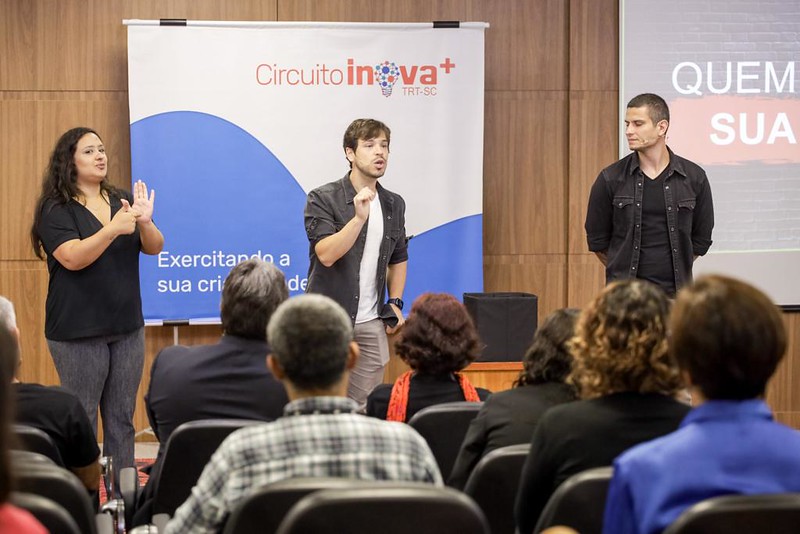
[(548, 358), (59, 183)]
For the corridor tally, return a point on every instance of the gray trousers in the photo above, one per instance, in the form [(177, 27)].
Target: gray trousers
[(105, 371), (374, 355)]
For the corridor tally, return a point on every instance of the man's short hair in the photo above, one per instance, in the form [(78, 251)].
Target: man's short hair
[(364, 129), (252, 292), (309, 336), (8, 319), (728, 336), (656, 106)]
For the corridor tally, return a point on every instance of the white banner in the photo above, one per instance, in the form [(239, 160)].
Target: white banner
[(233, 125)]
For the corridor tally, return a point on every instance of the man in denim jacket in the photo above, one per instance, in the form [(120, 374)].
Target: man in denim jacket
[(357, 249), (650, 214)]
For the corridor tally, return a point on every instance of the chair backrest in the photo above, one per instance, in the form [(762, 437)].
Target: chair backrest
[(776, 514), (188, 450), (407, 509), (579, 502), (29, 457), (493, 485), (263, 511), (35, 440), (50, 514), (444, 426), (60, 486)]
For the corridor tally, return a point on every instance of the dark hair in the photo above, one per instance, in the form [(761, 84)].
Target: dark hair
[(728, 336), (620, 343), (364, 129), (252, 291), (439, 336), (9, 353), (548, 358), (59, 182), (656, 106), (309, 336)]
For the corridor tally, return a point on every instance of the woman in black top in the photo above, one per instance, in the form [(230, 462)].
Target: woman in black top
[(437, 341), (509, 417), (92, 233), (627, 382)]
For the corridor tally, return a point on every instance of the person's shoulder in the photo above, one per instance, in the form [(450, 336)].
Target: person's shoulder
[(381, 392), (328, 188), (43, 392), (484, 394), (688, 167), (618, 169), (182, 353)]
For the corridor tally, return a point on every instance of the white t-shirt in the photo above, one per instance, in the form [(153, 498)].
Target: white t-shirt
[(368, 292)]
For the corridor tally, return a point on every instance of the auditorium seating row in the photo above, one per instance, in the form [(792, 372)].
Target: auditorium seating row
[(323, 505)]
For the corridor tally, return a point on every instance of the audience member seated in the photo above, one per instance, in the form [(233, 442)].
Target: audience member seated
[(627, 382), (55, 411), (13, 520), (727, 338), (509, 417), (437, 341), (226, 380), (320, 433)]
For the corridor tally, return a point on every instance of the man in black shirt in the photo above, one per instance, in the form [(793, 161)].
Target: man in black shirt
[(55, 411), (650, 214)]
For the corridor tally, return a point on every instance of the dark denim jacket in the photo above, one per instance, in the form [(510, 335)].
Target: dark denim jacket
[(614, 216), (328, 209)]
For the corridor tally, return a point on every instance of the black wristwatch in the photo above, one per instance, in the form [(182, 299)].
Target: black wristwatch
[(396, 302)]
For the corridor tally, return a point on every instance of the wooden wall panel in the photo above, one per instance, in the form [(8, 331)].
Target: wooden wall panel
[(74, 45), (525, 169), (24, 283), (782, 393), (33, 125), (593, 45), (586, 277), (593, 127), (372, 10), (526, 46), (18, 33)]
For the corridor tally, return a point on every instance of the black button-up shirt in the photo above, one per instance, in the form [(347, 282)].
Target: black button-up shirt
[(328, 209), (614, 216)]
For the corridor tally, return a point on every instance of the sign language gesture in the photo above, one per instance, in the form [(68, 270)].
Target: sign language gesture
[(142, 204)]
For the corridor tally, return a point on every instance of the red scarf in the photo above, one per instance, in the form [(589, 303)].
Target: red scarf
[(398, 401)]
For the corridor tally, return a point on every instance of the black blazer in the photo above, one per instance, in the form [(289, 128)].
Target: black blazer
[(506, 418), (573, 437)]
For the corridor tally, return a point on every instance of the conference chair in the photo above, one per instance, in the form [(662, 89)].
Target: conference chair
[(401, 509), (579, 502), (444, 426), (22, 456), (493, 485), (35, 440), (188, 450), (51, 515), (36, 476), (777, 514), (263, 511)]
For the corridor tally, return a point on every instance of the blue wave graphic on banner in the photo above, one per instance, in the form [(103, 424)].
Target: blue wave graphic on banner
[(221, 196), (447, 259)]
